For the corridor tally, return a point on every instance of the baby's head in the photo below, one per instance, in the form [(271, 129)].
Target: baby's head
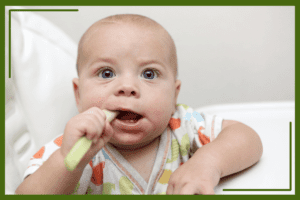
[(133, 20), (128, 63)]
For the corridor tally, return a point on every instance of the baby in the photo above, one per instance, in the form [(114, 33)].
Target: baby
[(127, 63)]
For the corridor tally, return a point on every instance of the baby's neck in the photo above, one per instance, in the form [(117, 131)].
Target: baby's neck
[(142, 157)]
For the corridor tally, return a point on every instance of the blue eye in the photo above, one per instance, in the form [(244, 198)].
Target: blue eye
[(106, 73), (149, 74)]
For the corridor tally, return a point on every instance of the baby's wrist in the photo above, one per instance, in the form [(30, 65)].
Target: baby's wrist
[(61, 159), (209, 165)]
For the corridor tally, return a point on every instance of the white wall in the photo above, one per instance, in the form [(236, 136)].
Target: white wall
[(226, 54)]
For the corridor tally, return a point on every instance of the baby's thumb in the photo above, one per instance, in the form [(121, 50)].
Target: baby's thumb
[(106, 135), (108, 132)]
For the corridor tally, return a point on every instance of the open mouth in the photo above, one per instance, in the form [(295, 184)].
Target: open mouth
[(129, 116)]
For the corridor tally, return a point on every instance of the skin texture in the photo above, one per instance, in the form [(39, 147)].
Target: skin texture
[(127, 48), (236, 148)]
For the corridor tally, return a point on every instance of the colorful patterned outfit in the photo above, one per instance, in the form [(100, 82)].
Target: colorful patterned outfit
[(109, 172)]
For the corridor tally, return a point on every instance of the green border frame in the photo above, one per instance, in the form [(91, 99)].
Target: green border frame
[(160, 3)]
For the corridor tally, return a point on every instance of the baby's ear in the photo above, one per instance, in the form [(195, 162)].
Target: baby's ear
[(177, 88), (75, 82)]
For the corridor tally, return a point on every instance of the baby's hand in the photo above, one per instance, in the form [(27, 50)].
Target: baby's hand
[(93, 125), (193, 177)]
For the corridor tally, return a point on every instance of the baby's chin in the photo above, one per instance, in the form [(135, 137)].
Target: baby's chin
[(130, 142)]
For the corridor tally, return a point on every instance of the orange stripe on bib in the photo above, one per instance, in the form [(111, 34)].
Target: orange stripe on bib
[(97, 177), (203, 138), (40, 153), (58, 141), (174, 123)]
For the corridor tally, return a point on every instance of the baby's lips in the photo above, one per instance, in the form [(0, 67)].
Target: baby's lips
[(129, 110)]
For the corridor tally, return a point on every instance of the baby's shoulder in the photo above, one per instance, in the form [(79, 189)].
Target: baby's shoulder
[(186, 116)]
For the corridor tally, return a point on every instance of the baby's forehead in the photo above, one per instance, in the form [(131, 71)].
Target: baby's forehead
[(114, 33), (142, 23), (102, 27)]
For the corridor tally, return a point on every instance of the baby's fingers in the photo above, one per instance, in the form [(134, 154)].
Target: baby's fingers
[(192, 189), (93, 127), (170, 189), (196, 189), (189, 189), (105, 137), (97, 117), (206, 191)]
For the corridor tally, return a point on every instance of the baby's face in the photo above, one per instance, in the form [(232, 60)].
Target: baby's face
[(124, 67)]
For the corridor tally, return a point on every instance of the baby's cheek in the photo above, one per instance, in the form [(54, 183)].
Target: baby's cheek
[(92, 101), (166, 100), (161, 110)]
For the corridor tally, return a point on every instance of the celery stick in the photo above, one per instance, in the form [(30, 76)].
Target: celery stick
[(82, 146), (77, 152)]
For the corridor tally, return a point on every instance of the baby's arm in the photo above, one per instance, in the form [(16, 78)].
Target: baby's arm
[(236, 148), (53, 177)]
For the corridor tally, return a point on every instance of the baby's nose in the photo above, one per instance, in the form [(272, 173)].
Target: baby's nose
[(128, 89), (127, 92)]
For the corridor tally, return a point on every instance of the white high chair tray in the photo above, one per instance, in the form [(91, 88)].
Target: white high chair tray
[(271, 175)]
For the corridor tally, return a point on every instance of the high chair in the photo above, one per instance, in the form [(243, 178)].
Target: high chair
[(40, 101)]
